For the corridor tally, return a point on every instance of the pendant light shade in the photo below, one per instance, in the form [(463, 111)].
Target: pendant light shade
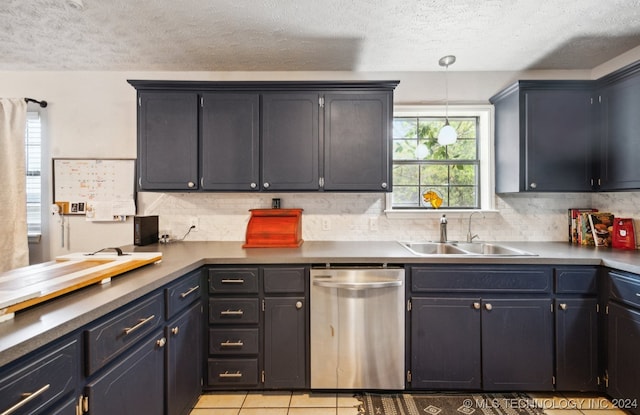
[(447, 134)]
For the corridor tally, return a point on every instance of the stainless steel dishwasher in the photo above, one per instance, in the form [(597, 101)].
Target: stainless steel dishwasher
[(357, 328)]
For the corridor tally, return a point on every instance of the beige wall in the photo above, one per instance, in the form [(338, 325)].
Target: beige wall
[(93, 115)]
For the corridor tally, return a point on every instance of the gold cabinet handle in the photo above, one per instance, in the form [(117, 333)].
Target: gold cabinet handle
[(141, 323), (476, 306), (175, 330), (563, 306), (232, 281), (189, 291), (229, 343), (161, 342), (26, 398), (488, 306), (226, 374), (231, 313)]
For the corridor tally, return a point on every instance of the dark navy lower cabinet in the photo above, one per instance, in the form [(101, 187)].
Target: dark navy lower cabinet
[(576, 344), (445, 340), (481, 327), (623, 372), (134, 385), (285, 344), (184, 362), (37, 385), (517, 344)]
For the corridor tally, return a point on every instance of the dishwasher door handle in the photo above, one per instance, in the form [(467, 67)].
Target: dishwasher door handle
[(357, 285)]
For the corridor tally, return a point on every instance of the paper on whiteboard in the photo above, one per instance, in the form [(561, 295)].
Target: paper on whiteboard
[(110, 211)]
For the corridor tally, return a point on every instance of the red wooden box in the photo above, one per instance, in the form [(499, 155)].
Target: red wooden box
[(274, 228)]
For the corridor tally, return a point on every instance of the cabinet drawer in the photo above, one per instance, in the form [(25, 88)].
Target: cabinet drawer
[(233, 311), (233, 372), (48, 378), (625, 288), (182, 293), (113, 336), (233, 280), (233, 341), (576, 280), (284, 280), (480, 279)]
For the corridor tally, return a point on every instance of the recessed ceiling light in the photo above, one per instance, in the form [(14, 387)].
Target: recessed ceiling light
[(76, 4)]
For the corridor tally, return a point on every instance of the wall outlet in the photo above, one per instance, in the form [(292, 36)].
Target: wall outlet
[(194, 221), (373, 224), (326, 224)]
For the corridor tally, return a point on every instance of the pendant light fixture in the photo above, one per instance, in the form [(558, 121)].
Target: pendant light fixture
[(447, 134)]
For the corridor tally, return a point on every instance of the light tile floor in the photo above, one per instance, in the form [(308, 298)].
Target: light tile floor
[(312, 403)]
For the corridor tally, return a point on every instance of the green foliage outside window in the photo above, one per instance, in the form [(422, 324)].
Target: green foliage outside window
[(451, 171)]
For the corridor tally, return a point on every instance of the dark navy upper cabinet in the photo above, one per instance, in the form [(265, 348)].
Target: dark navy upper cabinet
[(544, 137), (357, 147), (619, 99), (229, 149), (265, 136), (167, 140), (290, 141)]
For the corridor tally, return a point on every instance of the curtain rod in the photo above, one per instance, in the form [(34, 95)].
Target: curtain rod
[(43, 104)]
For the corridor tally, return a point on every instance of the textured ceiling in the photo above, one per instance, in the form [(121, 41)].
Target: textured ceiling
[(315, 35)]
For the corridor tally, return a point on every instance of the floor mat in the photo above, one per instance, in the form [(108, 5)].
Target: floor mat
[(448, 404)]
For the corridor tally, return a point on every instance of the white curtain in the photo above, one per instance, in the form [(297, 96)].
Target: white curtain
[(14, 245)]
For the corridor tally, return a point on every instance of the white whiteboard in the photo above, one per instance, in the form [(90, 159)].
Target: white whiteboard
[(83, 182)]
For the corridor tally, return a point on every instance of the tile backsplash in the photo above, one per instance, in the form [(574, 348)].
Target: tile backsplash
[(361, 216)]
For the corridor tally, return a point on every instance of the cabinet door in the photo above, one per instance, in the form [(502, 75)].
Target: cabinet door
[(168, 140), (576, 344), (559, 139), (285, 334), (134, 385), (184, 361), (445, 343), (623, 363), (517, 344), (620, 125), (290, 141), (229, 156), (357, 144)]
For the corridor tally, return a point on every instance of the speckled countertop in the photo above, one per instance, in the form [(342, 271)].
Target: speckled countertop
[(41, 324)]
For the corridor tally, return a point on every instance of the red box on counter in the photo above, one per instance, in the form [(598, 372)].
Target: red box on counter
[(274, 228)]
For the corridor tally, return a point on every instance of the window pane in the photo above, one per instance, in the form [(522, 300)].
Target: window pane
[(33, 145), (450, 171), (434, 175), (404, 149), (406, 196), (463, 174), (404, 175), (405, 127)]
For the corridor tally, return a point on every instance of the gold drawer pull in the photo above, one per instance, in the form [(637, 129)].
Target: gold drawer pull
[(191, 290), (142, 322), (226, 374), (232, 313), (232, 281), (229, 343), (26, 398)]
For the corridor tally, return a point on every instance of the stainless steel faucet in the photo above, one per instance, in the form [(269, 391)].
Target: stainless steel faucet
[(443, 229), (470, 236)]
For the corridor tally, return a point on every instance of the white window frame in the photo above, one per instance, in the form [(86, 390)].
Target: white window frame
[(485, 155)]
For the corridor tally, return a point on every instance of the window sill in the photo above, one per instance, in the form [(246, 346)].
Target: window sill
[(34, 239), (419, 213)]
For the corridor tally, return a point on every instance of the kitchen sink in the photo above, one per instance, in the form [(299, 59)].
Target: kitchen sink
[(483, 248), (431, 248)]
